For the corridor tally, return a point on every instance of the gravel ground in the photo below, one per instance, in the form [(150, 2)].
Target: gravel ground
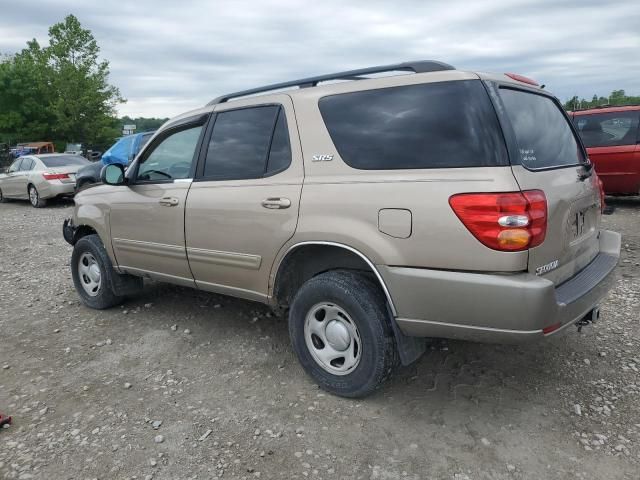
[(184, 384)]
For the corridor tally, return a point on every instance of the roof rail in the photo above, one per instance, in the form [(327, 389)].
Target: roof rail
[(415, 67)]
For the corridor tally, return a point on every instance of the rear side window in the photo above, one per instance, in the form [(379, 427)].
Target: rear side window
[(248, 143), (544, 136), (433, 125), (280, 152), (608, 129)]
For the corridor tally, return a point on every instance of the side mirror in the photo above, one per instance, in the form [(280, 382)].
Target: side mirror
[(112, 174)]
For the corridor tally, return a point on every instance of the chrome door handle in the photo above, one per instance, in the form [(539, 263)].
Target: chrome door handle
[(276, 202), (169, 201)]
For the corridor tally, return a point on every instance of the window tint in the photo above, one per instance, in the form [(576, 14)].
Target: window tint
[(171, 158), (240, 142), (27, 164), (64, 160), (544, 136), (435, 125), (280, 153), (608, 129)]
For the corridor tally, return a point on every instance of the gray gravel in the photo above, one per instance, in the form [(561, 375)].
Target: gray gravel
[(183, 384)]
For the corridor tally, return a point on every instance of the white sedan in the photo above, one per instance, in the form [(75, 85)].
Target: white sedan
[(38, 178)]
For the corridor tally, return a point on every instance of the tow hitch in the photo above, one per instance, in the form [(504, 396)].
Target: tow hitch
[(592, 317)]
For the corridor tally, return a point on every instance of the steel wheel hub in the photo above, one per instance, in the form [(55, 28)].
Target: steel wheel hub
[(332, 338), (89, 273)]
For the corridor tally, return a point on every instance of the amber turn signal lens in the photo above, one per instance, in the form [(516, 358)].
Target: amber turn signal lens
[(514, 239)]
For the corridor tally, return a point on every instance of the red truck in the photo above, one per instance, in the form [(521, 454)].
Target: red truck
[(612, 138)]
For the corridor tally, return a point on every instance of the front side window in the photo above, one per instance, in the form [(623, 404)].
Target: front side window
[(544, 136), (248, 143), (171, 158), (431, 125), (608, 129), (15, 166)]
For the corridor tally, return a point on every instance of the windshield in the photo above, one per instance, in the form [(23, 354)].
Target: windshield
[(63, 161), (544, 135)]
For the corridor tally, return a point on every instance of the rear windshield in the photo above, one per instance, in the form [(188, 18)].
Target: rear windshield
[(608, 129), (433, 125), (545, 138), (64, 161)]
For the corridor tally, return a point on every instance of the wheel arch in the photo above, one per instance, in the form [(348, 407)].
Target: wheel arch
[(307, 259)]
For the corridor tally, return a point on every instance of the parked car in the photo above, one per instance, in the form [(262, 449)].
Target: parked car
[(38, 178), (38, 148), (123, 152), (612, 138), (375, 212)]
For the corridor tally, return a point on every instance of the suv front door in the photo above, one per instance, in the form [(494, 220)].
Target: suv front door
[(243, 204), (147, 214)]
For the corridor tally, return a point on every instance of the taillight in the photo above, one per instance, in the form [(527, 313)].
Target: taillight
[(510, 221), (55, 176)]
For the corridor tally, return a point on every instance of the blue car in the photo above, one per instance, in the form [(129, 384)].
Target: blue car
[(123, 152)]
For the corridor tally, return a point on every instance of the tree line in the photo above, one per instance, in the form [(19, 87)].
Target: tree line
[(617, 98), (61, 92)]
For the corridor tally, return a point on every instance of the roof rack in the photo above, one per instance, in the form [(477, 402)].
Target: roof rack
[(415, 67)]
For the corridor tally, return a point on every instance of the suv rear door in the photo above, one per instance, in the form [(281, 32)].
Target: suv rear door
[(546, 155), (243, 204)]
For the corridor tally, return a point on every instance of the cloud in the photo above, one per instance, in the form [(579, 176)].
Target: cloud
[(170, 56)]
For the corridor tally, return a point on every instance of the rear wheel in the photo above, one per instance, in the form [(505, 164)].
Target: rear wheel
[(92, 273), (34, 198), (340, 330)]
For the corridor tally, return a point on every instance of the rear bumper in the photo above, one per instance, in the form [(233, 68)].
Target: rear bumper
[(498, 308), (55, 188)]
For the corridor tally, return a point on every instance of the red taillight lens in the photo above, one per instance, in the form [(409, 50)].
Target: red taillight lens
[(511, 221), (55, 176)]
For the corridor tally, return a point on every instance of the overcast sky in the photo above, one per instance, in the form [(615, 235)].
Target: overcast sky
[(170, 56)]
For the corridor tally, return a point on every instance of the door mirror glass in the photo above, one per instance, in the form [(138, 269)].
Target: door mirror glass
[(112, 174)]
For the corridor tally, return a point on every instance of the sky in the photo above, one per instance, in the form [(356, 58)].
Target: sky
[(167, 57)]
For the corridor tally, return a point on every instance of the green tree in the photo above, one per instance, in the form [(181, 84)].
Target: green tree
[(24, 96), (84, 102), (60, 91), (616, 98)]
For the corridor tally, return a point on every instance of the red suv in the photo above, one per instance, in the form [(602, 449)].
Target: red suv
[(612, 138)]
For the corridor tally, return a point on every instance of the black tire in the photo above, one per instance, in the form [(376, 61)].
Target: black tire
[(365, 304), (34, 198), (3, 199), (104, 296)]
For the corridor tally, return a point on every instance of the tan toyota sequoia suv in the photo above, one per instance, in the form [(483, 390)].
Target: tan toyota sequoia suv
[(375, 207)]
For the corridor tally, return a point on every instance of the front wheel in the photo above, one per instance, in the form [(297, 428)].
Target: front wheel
[(34, 198), (340, 330), (3, 199), (92, 273)]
